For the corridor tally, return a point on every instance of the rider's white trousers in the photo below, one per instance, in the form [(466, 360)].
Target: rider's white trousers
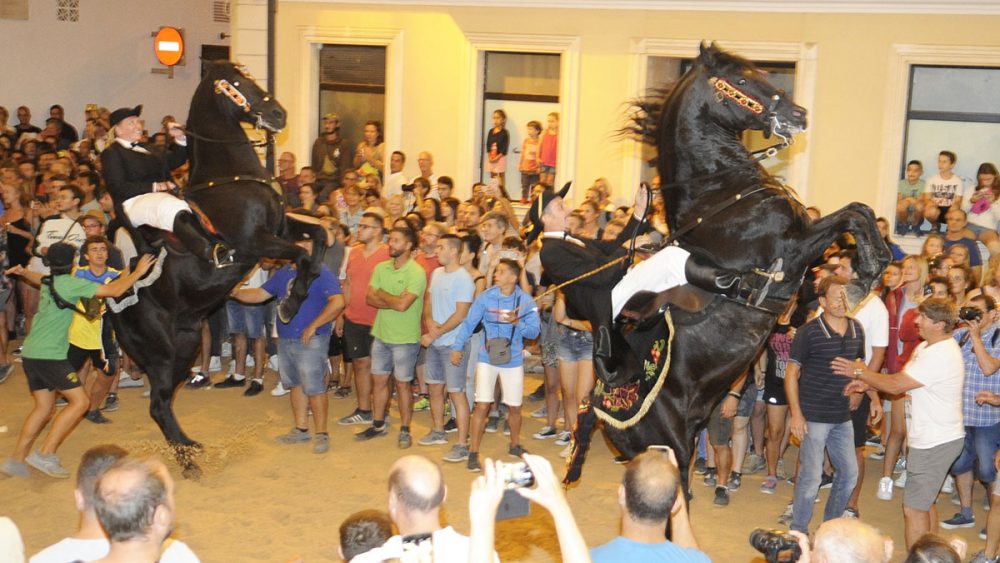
[(156, 209), (659, 272)]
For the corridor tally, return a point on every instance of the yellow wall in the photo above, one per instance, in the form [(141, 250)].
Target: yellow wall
[(846, 121)]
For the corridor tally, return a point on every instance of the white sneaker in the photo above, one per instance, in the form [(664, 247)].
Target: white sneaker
[(900, 482), (250, 362), (949, 485), (279, 390), (272, 363), (214, 365), (884, 491), (125, 381)]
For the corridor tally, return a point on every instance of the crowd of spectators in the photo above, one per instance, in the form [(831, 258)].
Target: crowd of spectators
[(432, 299)]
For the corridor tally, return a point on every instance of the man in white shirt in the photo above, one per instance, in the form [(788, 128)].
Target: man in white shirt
[(395, 181), (933, 380), (416, 492), (90, 541), (425, 161), (866, 408), (942, 191)]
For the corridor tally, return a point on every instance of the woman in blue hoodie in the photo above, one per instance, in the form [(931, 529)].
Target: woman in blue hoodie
[(509, 316)]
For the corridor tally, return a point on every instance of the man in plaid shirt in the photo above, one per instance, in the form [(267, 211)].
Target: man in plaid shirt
[(980, 342)]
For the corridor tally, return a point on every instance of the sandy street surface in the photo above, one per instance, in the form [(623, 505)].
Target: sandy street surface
[(262, 501)]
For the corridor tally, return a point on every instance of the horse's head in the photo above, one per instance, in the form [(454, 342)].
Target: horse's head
[(241, 97), (742, 98)]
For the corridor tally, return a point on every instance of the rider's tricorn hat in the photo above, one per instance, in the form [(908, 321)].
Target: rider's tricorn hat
[(121, 113), (538, 205)]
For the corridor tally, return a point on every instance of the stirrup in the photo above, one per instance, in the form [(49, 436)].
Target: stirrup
[(773, 274), (222, 257)]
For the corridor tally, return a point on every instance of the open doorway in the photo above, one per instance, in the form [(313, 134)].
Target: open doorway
[(525, 86), (352, 80)]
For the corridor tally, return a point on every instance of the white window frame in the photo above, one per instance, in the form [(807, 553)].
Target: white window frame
[(311, 40), (803, 55), (901, 58), (568, 49)]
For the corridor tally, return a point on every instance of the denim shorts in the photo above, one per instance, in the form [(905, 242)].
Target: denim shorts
[(438, 368), (575, 345), (549, 341), (747, 400), (977, 452), (399, 360), (303, 364), (546, 169), (245, 319)]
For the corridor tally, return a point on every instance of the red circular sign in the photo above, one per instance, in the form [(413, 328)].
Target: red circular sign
[(169, 46)]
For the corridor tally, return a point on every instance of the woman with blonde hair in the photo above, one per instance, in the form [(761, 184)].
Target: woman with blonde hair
[(933, 245), (991, 280), (900, 302)]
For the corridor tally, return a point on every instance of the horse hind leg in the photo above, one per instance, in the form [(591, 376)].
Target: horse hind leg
[(166, 373)]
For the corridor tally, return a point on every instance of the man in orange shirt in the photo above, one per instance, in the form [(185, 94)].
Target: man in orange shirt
[(355, 325)]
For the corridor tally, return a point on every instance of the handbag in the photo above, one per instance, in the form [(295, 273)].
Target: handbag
[(498, 349)]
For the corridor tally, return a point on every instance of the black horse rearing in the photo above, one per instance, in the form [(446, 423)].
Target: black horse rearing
[(723, 204), (231, 188)]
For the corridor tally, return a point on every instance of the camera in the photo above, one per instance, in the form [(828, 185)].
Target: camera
[(407, 187), (517, 474), (970, 314), (776, 545)]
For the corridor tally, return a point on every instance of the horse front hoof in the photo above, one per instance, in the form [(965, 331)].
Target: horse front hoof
[(192, 471)]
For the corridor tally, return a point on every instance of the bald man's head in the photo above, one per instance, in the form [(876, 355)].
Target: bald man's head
[(417, 482), (128, 495), (650, 485), (846, 540)]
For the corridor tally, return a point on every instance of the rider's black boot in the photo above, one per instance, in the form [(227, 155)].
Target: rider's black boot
[(611, 356), (186, 228), (751, 287)]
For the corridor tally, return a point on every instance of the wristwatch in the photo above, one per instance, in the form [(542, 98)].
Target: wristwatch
[(858, 372)]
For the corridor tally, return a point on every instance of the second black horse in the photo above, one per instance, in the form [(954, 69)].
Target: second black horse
[(722, 204)]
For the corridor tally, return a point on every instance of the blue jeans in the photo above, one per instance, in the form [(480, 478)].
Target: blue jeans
[(838, 440), (977, 453)]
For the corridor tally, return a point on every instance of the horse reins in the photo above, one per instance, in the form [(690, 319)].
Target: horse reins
[(715, 210), (267, 141)]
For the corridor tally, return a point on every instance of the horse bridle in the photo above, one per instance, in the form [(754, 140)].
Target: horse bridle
[(725, 90)]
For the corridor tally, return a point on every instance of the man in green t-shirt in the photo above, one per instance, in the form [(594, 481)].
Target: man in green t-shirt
[(45, 358), (396, 289)]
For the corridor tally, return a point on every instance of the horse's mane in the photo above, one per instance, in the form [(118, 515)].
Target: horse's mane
[(646, 112), (642, 123)]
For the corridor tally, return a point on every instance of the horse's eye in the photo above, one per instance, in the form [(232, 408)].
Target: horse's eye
[(742, 82)]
